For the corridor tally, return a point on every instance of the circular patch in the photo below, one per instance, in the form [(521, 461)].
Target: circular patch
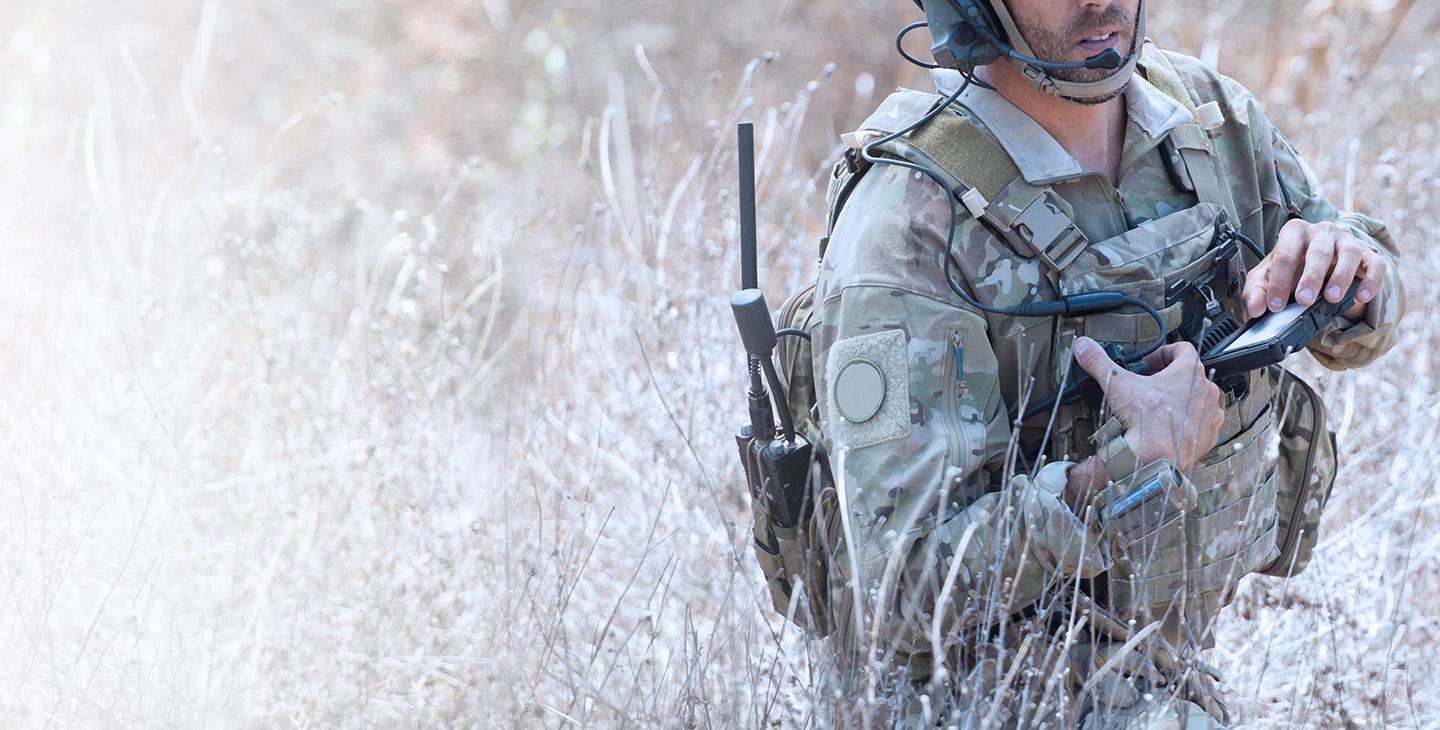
[(859, 391)]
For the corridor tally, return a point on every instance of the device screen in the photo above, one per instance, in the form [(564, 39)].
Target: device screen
[(1268, 328)]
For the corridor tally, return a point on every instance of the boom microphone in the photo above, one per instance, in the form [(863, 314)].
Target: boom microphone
[(1109, 58)]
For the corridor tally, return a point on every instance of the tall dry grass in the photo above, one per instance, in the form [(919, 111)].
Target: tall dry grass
[(368, 363)]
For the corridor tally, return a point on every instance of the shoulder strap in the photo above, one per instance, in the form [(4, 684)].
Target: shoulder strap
[(1033, 219), (1192, 140), (843, 177), (899, 110)]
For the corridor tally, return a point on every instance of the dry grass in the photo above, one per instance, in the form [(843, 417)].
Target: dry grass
[(338, 393)]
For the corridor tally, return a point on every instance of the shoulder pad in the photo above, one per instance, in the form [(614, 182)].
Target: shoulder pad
[(1161, 73), (899, 110)]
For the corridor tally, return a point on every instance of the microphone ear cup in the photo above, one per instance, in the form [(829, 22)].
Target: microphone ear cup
[(957, 43)]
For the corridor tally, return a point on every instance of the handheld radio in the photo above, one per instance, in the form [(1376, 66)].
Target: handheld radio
[(776, 461)]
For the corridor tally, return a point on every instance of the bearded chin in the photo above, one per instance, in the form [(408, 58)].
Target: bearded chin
[(1083, 75)]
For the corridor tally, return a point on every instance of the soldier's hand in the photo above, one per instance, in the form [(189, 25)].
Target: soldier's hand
[(1307, 256), (1174, 412)]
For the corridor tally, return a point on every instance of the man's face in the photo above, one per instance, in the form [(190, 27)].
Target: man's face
[(1074, 30)]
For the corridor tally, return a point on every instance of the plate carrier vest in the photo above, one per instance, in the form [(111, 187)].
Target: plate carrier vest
[(1279, 500)]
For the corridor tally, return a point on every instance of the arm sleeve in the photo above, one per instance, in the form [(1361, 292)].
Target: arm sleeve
[(1345, 343), (919, 458)]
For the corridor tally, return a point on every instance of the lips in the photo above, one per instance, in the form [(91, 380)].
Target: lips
[(1099, 41)]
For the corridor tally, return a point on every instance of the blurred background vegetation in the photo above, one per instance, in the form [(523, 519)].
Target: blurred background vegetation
[(368, 362)]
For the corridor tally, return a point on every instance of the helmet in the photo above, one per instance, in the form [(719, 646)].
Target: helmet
[(971, 33)]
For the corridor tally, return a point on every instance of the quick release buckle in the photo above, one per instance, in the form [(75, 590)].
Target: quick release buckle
[(1049, 233)]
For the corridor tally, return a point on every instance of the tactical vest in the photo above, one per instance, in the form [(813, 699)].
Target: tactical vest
[(1250, 512)]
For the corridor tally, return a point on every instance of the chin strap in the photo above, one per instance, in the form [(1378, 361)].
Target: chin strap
[(1079, 90)]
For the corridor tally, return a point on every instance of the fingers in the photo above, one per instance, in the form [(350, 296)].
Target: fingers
[(1284, 261), (1254, 292), (1095, 362), (1210, 421), (1346, 264), (1318, 257), (1204, 418), (1165, 356), (1375, 269), (1186, 366)]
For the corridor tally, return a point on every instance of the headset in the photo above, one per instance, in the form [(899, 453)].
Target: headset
[(972, 33), (967, 34)]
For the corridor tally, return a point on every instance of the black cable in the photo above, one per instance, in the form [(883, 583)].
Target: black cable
[(787, 424), (1259, 254), (867, 152), (1065, 306), (900, 46), (977, 81), (793, 332)]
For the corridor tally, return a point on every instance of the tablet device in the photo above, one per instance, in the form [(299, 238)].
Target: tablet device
[(1271, 337)]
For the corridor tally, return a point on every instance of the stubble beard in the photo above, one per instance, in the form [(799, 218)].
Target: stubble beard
[(1051, 46)]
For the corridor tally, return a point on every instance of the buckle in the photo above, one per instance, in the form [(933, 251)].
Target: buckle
[(1051, 235)]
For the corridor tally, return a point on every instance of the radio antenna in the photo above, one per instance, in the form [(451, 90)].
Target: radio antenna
[(749, 275)]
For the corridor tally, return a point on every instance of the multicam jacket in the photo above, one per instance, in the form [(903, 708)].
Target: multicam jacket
[(951, 521)]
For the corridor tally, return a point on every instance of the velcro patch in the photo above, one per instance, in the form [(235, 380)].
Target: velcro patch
[(869, 390)]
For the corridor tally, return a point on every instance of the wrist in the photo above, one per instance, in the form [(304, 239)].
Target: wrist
[(1144, 450)]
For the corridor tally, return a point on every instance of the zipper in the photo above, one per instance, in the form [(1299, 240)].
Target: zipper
[(1119, 211), (952, 391), (957, 350), (1124, 208), (1129, 159), (1292, 536)]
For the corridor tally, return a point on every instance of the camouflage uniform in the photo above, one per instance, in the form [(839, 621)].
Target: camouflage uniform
[(959, 565)]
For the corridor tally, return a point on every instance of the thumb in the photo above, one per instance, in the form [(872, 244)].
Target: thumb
[(1095, 362)]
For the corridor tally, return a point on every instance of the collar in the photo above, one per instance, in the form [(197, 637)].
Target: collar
[(1036, 154)]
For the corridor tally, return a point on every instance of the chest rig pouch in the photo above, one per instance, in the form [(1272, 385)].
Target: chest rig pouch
[(1184, 266)]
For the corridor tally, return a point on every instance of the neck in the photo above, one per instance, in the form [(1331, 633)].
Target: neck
[(1094, 134)]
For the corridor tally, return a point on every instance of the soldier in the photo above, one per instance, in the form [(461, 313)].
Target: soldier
[(972, 580)]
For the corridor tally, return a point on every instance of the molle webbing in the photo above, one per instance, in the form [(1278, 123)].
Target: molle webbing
[(1139, 328), (1216, 575)]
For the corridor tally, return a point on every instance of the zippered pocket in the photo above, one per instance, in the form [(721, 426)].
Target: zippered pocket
[(953, 389), (957, 364)]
